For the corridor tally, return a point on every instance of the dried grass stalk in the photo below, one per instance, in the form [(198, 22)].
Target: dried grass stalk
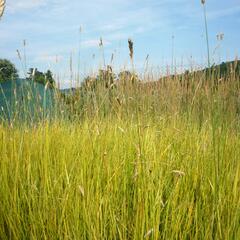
[(2, 7)]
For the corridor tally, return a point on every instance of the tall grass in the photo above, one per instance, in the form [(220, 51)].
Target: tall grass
[(119, 179), (206, 31), (127, 160)]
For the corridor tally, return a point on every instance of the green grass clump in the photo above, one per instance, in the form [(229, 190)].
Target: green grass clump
[(127, 160), (120, 179)]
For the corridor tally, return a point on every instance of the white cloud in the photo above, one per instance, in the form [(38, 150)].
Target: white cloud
[(49, 58), (21, 5)]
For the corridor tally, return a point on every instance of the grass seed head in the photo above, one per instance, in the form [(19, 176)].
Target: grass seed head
[(119, 101), (81, 190), (130, 46), (178, 173), (2, 7), (149, 233), (203, 2), (100, 42), (18, 53)]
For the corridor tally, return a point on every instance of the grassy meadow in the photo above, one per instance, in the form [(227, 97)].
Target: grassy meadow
[(136, 160)]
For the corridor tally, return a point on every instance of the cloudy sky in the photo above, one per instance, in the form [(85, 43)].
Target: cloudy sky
[(51, 29)]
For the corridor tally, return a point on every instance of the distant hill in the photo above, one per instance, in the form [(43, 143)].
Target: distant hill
[(225, 68), (25, 98), (222, 70)]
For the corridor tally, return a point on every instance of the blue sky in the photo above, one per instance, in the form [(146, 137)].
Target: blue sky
[(51, 30)]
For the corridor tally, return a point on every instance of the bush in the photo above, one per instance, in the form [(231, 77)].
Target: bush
[(7, 71)]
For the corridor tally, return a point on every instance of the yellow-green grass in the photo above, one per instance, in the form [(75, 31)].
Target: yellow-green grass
[(159, 160), (120, 179)]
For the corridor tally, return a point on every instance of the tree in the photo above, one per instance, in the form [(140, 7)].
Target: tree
[(7, 71), (49, 77), (42, 78)]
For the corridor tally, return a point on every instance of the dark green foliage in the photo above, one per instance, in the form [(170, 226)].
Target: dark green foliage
[(42, 78), (7, 71), (49, 77)]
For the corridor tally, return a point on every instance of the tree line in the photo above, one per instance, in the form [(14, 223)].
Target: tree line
[(9, 72)]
